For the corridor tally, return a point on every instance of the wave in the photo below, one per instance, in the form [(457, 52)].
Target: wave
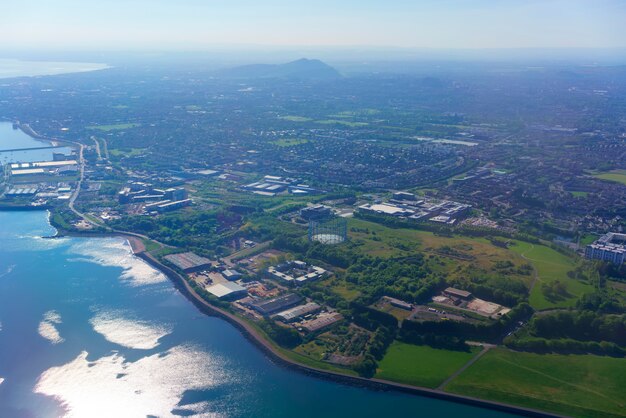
[(151, 386), (120, 328), (8, 270), (47, 327), (116, 252)]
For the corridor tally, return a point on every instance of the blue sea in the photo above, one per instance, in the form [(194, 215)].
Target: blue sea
[(88, 330)]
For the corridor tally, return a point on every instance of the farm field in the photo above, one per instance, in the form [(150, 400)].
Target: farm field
[(618, 176), (576, 385), (116, 127), (421, 365), (551, 266)]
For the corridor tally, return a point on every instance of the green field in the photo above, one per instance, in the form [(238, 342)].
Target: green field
[(290, 142), (126, 152), (551, 265), (116, 127), (354, 113), (577, 385), (295, 118), (580, 194), (378, 240), (342, 122), (421, 365), (618, 176)]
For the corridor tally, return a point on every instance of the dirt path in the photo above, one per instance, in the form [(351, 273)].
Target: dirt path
[(474, 359), (535, 273)]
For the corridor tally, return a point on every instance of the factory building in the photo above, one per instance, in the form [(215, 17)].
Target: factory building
[(227, 290), (322, 321), (292, 314), (189, 262), (278, 304)]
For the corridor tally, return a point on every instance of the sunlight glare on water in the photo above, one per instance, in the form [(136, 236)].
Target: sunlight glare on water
[(152, 385)]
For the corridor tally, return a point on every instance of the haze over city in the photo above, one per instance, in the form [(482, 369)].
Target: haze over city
[(201, 24)]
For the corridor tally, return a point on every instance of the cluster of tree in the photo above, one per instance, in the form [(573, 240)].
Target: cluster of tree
[(447, 342), (498, 288), (405, 278), (600, 301), (491, 331), (190, 229), (581, 326), (612, 270), (554, 291), (283, 336), (564, 345), (383, 325)]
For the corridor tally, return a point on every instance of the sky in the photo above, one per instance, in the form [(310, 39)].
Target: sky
[(203, 24)]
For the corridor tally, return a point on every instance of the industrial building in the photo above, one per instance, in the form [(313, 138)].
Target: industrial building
[(398, 303), (189, 262), (456, 293), (315, 212), (610, 247), (322, 321), (278, 304), (169, 206), (228, 290), (404, 205), (404, 196), (292, 314), (20, 192), (175, 194), (296, 272), (231, 275)]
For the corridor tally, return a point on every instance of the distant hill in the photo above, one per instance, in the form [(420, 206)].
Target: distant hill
[(302, 69)]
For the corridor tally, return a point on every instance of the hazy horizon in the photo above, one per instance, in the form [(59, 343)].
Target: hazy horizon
[(200, 25)]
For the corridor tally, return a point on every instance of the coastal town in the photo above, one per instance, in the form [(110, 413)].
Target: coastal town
[(456, 240)]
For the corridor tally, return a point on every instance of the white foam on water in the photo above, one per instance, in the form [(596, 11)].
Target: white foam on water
[(1, 380), (120, 328), (116, 252), (8, 270), (113, 387), (47, 327)]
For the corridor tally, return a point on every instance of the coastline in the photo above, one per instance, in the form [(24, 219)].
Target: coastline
[(275, 355), (279, 358)]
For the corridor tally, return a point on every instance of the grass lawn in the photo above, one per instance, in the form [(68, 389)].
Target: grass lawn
[(618, 176), (116, 127), (579, 194), (295, 118), (588, 239), (342, 122), (347, 291), (126, 152), (551, 265), (290, 142), (577, 385), (421, 365)]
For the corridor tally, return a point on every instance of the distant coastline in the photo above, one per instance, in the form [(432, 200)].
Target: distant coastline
[(14, 68)]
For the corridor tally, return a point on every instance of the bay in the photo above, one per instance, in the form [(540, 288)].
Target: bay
[(89, 330)]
